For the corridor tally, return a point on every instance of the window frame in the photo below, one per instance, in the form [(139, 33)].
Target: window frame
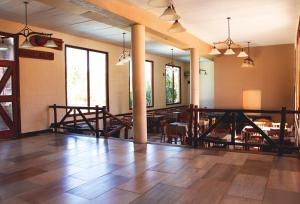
[(152, 83), (179, 102), (88, 73)]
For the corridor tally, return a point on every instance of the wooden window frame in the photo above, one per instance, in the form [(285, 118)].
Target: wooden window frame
[(88, 73), (152, 83), (169, 104)]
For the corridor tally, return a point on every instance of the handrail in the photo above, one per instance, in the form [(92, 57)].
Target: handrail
[(87, 120), (230, 117), (246, 111)]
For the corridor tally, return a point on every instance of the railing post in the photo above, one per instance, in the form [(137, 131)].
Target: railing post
[(195, 126), (74, 118), (104, 121), (233, 128), (97, 121), (190, 127), (55, 118), (282, 130)]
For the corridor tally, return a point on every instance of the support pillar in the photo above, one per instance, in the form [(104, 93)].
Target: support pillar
[(139, 84), (194, 76)]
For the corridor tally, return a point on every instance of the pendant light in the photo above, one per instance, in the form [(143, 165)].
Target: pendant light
[(214, 51), (3, 46), (176, 27), (242, 54), (159, 3), (125, 56), (229, 43), (172, 59), (248, 62), (27, 32), (50, 43), (170, 14)]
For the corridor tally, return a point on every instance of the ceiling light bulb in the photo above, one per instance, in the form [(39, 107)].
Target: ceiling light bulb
[(3, 46), (229, 51), (169, 14), (242, 53), (176, 27), (159, 3), (26, 44), (214, 51), (50, 43)]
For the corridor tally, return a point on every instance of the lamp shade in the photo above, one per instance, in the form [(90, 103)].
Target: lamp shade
[(50, 43), (229, 51), (26, 44), (3, 46), (242, 54), (169, 14), (248, 62), (159, 3), (176, 27), (214, 51)]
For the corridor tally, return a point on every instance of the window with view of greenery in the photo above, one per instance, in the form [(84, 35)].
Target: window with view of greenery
[(86, 77), (149, 85), (172, 84)]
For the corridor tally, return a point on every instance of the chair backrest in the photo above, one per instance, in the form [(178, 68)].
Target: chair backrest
[(172, 130)]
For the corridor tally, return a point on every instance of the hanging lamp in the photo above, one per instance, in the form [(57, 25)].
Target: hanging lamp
[(27, 32), (229, 43), (176, 27), (242, 54), (248, 62), (171, 64), (170, 14), (125, 56)]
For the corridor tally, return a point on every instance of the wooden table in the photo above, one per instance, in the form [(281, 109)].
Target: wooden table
[(182, 129)]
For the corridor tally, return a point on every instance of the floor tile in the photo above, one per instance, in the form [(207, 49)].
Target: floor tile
[(248, 186), (238, 200), (116, 196), (273, 196), (222, 172), (256, 167), (284, 180)]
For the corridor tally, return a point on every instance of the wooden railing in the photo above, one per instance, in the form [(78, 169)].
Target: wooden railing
[(200, 137), (72, 116)]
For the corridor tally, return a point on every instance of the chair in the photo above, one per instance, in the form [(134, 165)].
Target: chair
[(172, 133), (163, 124)]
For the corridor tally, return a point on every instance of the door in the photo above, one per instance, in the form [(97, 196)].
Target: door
[(8, 100)]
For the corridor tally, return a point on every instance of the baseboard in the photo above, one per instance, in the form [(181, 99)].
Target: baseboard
[(35, 133)]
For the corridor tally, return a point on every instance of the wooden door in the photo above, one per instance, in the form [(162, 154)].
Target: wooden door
[(8, 100)]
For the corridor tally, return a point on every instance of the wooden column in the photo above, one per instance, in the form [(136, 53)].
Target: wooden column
[(194, 76), (139, 84)]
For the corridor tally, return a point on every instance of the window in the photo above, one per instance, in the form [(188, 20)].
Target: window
[(86, 77), (173, 84), (149, 84)]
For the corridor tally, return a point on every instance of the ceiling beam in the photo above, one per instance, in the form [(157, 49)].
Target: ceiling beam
[(154, 25), (120, 13)]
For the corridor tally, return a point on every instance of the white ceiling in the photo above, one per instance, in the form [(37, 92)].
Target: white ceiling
[(264, 22), (40, 14)]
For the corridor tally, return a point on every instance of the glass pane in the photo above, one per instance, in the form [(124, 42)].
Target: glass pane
[(148, 66), (3, 125), (148, 76), (176, 84), (8, 108), (8, 54), (76, 77), (169, 85), (97, 62)]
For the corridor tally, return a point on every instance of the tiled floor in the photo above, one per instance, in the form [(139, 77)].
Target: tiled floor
[(76, 169)]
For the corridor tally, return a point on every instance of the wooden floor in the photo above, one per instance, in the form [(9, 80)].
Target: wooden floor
[(75, 169)]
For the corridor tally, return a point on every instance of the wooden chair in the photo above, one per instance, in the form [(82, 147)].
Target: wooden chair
[(172, 133), (163, 124)]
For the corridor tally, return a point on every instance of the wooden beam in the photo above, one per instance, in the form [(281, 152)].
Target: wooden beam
[(130, 14), (153, 23)]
